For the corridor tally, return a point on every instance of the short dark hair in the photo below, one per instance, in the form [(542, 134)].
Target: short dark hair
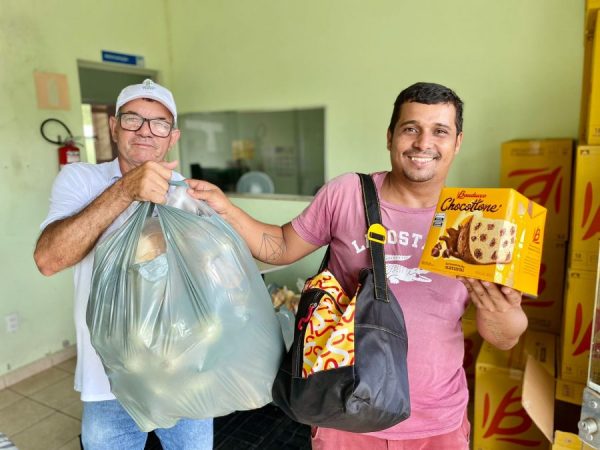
[(428, 94)]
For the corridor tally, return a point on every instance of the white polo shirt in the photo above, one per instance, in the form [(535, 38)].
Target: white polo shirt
[(75, 187)]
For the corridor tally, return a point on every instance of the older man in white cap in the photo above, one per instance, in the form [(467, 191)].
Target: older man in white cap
[(88, 202)]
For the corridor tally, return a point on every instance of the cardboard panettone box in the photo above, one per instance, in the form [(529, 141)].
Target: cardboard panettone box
[(592, 80), (514, 395), (473, 342), (545, 312), (585, 217), (493, 234), (568, 441), (577, 325), (540, 169), (591, 67)]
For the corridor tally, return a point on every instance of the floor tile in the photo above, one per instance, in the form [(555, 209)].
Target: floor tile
[(8, 397), (74, 409), (73, 444), (58, 395), (68, 366), (39, 381), (21, 415), (50, 433)]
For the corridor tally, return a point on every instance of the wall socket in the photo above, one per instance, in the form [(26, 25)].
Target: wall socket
[(12, 322)]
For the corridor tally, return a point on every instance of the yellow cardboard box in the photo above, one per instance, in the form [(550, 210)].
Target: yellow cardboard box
[(585, 225), (541, 171), (545, 311), (473, 343), (593, 120), (514, 395), (568, 441), (489, 234), (577, 325), (569, 391), (592, 7), (594, 373), (588, 47)]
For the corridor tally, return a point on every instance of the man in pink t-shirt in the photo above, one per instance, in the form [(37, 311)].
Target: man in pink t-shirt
[(423, 137)]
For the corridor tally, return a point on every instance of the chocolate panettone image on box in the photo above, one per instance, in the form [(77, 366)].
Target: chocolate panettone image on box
[(480, 241), (492, 234)]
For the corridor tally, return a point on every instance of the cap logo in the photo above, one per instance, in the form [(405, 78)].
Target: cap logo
[(148, 84)]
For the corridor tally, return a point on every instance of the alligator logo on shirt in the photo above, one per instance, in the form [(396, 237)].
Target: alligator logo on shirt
[(397, 272)]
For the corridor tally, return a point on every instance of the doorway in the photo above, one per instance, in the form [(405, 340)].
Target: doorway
[(100, 84)]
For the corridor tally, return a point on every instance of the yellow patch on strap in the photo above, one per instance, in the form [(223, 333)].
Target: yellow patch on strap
[(377, 233), (329, 337)]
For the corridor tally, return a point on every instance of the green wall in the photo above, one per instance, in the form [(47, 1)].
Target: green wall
[(50, 36), (516, 64)]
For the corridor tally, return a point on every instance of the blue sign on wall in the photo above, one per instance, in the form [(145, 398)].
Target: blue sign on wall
[(123, 58)]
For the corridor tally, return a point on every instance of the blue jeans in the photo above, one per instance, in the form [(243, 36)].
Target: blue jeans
[(107, 426)]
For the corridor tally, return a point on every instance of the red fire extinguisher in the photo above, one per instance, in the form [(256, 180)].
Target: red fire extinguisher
[(68, 152)]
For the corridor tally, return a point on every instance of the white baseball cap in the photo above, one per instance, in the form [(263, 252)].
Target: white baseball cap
[(148, 89)]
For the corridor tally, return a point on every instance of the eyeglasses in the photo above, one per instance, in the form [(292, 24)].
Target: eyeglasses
[(133, 122)]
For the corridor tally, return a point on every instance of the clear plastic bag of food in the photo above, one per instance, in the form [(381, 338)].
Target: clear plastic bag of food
[(180, 316)]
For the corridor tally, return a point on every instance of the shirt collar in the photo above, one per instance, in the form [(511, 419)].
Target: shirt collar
[(114, 170)]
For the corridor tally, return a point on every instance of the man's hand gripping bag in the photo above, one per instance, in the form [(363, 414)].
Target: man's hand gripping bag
[(347, 365), (181, 318)]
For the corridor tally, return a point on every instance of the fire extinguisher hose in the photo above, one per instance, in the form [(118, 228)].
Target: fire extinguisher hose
[(58, 141)]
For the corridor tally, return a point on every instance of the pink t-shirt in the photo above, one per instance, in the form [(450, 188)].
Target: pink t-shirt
[(432, 304)]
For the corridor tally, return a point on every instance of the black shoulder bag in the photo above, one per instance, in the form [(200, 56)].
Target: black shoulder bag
[(347, 366)]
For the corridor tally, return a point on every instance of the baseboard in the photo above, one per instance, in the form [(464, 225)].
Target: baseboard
[(53, 359)]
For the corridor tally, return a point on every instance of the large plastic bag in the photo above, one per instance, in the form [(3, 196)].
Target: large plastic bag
[(181, 318)]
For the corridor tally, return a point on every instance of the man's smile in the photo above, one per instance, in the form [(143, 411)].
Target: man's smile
[(421, 158)]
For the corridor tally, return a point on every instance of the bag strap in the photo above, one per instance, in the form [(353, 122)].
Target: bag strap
[(376, 235)]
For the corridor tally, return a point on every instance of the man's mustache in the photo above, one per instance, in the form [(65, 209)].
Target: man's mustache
[(149, 142), (422, 154)]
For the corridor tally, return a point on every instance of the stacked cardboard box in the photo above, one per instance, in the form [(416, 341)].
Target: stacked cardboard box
[(582, 268), (583, 253), (472, 346), (541, 170), (590, 104), (568, 441), (582, 276), (514, 395), (577, 328), (509, 411)]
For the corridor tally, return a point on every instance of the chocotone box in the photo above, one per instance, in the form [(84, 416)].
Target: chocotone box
[(493, 234)]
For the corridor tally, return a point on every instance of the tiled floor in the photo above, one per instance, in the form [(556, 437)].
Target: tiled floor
[(43, 412)]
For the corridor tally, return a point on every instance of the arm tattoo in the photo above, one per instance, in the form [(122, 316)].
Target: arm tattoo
[(271, 249)]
